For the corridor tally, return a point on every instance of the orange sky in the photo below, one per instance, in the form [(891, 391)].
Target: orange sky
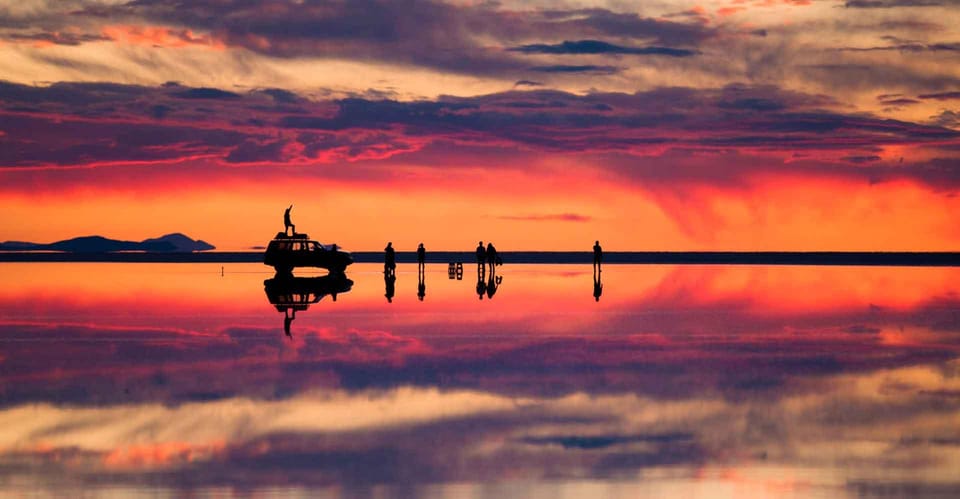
[(732, 125)]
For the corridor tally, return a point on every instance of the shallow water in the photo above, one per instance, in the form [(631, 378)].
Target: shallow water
[(681, 381)]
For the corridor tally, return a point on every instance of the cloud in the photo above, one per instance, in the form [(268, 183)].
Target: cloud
[(886, 4), (598, 47), (557, 217), (941, 96), (565, 68), (57, 38), (423, 33), (908, 47), (205, 93), (862, 159), (73, 124), (604, 441), (946, 118)]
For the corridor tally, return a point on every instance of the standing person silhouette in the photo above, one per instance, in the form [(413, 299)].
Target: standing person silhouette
[(597, 254), (491, 256), (481, 254), (287, 224), (421, 255), (389, 260)]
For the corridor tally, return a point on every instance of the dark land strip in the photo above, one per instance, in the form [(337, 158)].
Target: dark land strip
[(916, 259)]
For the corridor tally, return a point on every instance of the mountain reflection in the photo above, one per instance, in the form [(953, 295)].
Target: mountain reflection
[(763, 380)]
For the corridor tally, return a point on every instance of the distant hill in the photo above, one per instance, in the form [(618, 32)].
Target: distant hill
[(170, 243)]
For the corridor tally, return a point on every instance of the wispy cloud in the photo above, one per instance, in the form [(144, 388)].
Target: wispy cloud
[(553, 217)]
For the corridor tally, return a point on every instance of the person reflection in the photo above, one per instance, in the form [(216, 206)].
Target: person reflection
[(492, 284), (421, 284), (481, 281), (389, 284), (288, 317), (597, 262), (597, 286)]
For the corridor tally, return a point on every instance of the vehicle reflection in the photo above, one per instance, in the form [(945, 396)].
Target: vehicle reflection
[(292, 294)]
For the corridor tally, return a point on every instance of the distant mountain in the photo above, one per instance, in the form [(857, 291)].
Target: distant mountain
[(179, 242), (170, 243)]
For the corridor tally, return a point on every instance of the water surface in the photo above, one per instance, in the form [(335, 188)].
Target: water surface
[(686, 381)]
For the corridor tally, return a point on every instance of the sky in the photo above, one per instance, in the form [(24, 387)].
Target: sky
[(656, 125)]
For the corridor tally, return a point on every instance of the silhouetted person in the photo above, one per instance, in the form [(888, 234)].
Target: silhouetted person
[(389, 259), (421, 255), (491, 256), (287, 224), (481, 254), (389, 284), (597, 254), (481, 284), (287, 320), (597, 286)]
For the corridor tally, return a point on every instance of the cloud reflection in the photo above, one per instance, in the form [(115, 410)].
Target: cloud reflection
[(680, 371)]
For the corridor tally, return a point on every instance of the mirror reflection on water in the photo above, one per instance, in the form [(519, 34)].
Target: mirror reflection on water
[(694, 381)]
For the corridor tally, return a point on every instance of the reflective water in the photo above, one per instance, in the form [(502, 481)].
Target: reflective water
[(681, 381)]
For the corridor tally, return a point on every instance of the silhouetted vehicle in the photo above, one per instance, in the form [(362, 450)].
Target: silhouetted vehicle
[(284, 253), (292, 294), (298, 293)]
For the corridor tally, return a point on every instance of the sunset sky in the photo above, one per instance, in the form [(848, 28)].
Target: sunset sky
[(655, 125)]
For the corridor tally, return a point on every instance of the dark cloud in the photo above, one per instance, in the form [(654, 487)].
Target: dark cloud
[(57, 38), (252, 151), (598, 47), (856, 76), (419, 32), (527, 83), (946, 118), (84, 124), (861, 159), (941, 96), (557, 217), (628, 25), (206, 93), (886, 4), (909, 47), (900, 102), (604, 441), (589, 68)]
